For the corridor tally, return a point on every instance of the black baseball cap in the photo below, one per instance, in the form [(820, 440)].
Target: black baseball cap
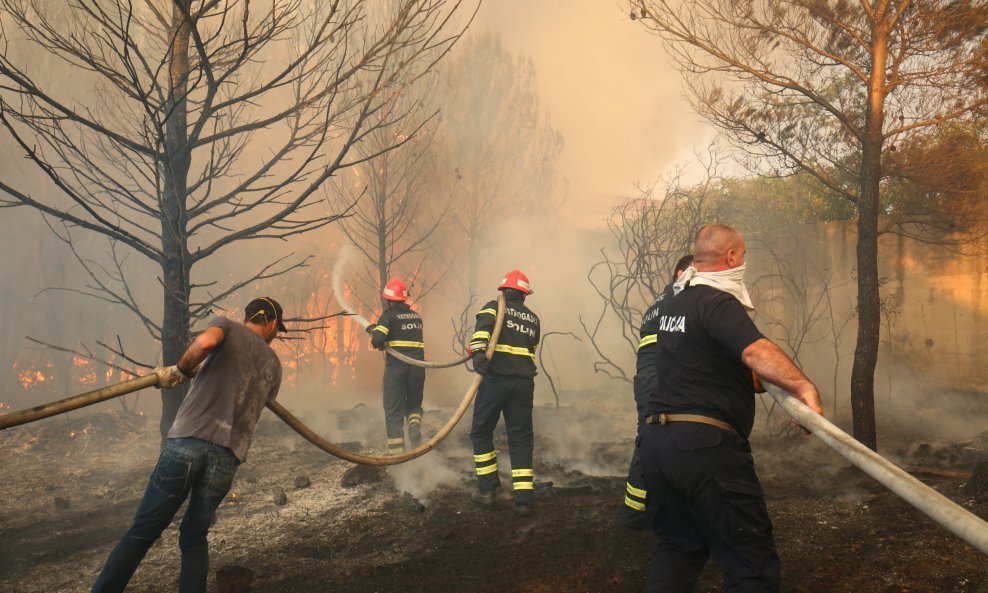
[(269, 308)]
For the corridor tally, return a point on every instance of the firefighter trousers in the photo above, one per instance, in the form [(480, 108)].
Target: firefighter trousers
[(636, 513), (635, 494), (403, 387), (708, 502), (513, 397)]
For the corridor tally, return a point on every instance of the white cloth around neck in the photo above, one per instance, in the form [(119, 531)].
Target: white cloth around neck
[(730, 281)]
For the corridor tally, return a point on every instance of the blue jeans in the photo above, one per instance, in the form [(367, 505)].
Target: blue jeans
[(188, 468)]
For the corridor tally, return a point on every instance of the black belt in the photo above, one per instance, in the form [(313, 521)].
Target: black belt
[(663, 419)]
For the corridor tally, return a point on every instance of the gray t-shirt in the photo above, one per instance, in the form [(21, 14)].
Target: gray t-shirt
[(230, 391)]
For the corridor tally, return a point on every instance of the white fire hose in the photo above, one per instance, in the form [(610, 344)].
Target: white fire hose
[(345, 253), (961, 522)]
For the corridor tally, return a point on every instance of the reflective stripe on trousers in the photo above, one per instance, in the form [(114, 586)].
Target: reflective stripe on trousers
[(634, 497), (522, 479)]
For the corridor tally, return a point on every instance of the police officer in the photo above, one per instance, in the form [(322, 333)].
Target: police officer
[(400, 328), (644, 384), (508, 387), (694, 446)]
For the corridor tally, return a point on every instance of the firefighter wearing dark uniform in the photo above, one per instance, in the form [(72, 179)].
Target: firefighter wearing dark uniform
[(695, 452), (644, 385), (400, 328), (508, 387)]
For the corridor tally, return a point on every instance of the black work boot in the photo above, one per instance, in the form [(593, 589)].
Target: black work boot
[(484, 498), (524, 502), (415, 435)]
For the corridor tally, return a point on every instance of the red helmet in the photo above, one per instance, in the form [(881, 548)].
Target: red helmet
[(515, 279), (395, 290)]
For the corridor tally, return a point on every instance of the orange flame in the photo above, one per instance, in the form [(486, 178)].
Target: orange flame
[(332, 350), (31, 378), (85, 431)]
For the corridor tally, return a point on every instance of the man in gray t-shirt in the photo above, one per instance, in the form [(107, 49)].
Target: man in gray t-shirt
[(238, 375), (230, 392)]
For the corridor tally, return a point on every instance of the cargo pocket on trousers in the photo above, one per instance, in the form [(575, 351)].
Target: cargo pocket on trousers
[(743, 515)]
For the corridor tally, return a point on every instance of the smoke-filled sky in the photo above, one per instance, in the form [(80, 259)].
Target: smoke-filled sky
[(607, 86)]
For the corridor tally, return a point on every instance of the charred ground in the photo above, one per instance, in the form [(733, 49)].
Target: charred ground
[(67, 499)]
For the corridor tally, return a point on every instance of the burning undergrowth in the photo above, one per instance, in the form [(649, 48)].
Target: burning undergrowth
[(296, 522)]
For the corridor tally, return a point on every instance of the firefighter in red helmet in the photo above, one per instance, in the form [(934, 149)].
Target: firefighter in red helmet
[(508, 388), (400, 328)]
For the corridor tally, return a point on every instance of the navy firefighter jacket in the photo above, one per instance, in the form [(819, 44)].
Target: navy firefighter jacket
[(399, 328), (514, 354)]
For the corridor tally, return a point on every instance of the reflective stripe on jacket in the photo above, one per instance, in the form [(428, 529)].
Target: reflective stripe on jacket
[(514, 354)]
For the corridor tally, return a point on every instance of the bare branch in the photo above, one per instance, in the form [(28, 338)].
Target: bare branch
[(90, 356)]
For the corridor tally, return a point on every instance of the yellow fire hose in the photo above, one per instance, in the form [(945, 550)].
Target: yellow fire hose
[(79, 401), (308, 434), (151, 380), (425, 364), (422, 449)]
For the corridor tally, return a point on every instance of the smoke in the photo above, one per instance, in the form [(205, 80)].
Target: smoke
[(593, 435), (423, 476), (910, 409), (609, 87)]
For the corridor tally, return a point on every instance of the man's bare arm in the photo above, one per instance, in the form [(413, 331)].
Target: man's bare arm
[(200, 348), (772, 364)]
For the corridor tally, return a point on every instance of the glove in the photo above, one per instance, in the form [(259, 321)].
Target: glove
[(169, 377), (481, 364), (370, 331)]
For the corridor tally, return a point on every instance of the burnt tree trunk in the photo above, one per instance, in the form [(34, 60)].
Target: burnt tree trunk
[(869, 201), (383, 231), (176, 264)]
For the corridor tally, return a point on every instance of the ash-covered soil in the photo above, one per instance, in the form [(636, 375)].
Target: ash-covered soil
[(66, 500)]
